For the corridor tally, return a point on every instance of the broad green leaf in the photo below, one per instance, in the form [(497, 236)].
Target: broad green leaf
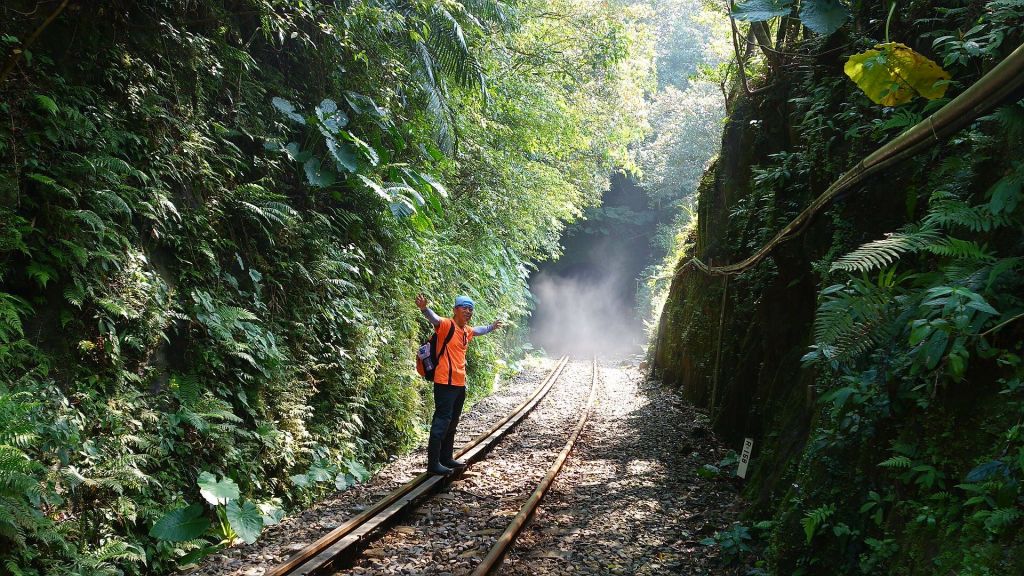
[(272, 513), (823, 16), (362, 104), (217, 492), (1006, 193), (295, 153), (376, 188), (331, 119), (369, 152), (434, 184), (839, 396), (358, 470), (957, 365), (760, 10), (982, 306), (403, 190), (809, 527), (919, 333), (179, 525), (245, 520), (935, 347), (343, 481), (317, 175), (287, 109), (196, 555), (431, 152), (300, 480), (708, 471), (893, 74), (318, 473), (344, 155), (402, 207)]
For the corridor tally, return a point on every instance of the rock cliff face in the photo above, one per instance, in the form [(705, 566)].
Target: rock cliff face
[(753, 328), (861, 463)]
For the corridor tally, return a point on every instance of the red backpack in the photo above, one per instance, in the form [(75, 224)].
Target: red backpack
[(428, 355)]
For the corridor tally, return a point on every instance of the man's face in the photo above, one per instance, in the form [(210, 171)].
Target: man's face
[(462, 315)]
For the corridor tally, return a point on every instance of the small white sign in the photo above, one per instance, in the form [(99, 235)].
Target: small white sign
[(748, 445)]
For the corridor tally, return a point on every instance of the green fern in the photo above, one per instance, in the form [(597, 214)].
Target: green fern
[(12, 309), (1002, 518), (1011, 118), (853, 318), (896, 462), (960, 249), (816, 519), (947, 211), (881, 253)]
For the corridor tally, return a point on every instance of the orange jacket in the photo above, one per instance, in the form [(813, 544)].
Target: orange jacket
[(451, 366)]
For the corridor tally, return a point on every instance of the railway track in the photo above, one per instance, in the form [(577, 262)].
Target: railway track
[(342, 545), (492, 562)]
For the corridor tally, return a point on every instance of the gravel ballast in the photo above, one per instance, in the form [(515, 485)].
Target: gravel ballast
[(628, 500)]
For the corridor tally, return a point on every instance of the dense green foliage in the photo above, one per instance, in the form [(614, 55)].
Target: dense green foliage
[(897, 448), (685, 114), (214, 217)]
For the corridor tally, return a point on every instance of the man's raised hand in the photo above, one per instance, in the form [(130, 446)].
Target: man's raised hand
[(421, 301)]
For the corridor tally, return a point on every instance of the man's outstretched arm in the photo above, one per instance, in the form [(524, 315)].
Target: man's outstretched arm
[(421, 303), (481, 330)]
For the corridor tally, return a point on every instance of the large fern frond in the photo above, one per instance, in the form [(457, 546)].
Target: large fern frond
[(855, 318), (947, 211), (960, 249), (881, 253), (450, 50)]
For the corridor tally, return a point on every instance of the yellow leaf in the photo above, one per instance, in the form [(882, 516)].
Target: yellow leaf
[(893, 74)]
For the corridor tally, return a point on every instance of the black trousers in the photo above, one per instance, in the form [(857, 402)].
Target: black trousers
[(448, 401)]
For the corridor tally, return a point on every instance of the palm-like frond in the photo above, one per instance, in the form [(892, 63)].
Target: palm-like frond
[(948, 211), (433, 87), (451, 53), (960, 249), (854, 318), (445, 55), (490, 11), (880, 253)]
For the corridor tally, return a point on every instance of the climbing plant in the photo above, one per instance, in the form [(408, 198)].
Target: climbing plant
[(215, 217)]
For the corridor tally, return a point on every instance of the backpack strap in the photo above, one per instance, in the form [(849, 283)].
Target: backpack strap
[(444, 345)]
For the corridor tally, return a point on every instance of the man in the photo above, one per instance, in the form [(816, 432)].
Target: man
[(449, 380)]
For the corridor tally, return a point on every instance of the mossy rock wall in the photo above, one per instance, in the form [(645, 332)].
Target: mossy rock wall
[(740, 356)]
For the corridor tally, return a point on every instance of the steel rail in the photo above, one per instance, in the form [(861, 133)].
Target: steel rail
[(494, 558), (343, 540)]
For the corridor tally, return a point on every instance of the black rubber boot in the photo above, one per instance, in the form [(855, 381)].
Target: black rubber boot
[(455, 464), (447, 449), (439, 470), (433, 453)]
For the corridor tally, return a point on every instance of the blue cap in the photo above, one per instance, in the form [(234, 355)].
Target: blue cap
[(463, 301)]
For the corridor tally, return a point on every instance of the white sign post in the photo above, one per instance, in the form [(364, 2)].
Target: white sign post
[(748, 445)]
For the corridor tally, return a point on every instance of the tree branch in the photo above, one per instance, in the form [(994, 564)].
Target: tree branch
[(16, 55)]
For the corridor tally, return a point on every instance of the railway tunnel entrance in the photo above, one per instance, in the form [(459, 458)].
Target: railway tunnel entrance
[(591, 300)]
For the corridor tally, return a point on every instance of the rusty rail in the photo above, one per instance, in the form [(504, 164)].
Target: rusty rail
[(497, 554), (357, 531)]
